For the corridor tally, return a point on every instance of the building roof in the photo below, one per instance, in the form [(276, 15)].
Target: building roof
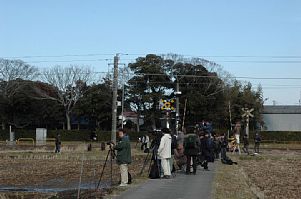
[(130, 114), (289, 109)]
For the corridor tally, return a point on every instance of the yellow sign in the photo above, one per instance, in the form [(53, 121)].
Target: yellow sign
[(167, 105)]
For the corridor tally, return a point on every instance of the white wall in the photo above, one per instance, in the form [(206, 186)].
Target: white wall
[(282, 122)]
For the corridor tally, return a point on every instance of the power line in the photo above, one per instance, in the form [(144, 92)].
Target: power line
[(223, 61), (236, 77), (66, 55), (254, 56), (259, 62), (297, 87), (270, 78), (143, 54), (78, 60), (161, 82)]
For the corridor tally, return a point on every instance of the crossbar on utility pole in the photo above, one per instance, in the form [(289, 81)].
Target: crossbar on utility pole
[(114, 100)]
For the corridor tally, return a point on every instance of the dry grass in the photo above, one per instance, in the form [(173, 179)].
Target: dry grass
[(275, 173), (230, 184), (41, 168), (272, 174)]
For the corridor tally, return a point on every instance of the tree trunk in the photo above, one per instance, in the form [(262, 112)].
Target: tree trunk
[(68, 121), (153, 121), (138, 126)]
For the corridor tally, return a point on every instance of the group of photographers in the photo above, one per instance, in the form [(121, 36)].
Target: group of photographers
[(196, 147)]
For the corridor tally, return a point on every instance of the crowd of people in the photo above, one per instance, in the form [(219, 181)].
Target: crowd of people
[(183, 151)]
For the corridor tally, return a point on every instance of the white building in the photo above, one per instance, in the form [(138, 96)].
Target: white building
[(282, 118)]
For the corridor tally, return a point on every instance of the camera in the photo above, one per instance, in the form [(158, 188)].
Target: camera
[(156, 134), (109, 143)]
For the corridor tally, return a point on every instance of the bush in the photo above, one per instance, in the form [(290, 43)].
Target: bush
[(72, 135), (278, 135), (270, 135)]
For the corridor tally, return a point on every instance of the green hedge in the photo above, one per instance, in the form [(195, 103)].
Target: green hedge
[(279, 135), (272, 135), (84, 135), (73, 135)]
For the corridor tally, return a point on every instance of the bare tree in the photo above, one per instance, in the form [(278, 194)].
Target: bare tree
[(11, 70), (16, 69), (70, 83)]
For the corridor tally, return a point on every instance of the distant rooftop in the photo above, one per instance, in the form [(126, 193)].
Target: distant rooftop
[(289, 109)]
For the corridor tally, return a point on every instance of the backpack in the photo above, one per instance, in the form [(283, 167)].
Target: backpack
[(190, 142), (228, 161), (154, 171), (257, 139)]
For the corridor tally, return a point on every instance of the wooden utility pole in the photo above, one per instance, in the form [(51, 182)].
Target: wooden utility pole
[(230, 116), (122, 101), (247, 114), (184, 114), (114, 100), (177, 105)]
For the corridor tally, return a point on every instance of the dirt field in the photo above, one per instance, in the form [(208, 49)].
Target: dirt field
[(41, 170), (28, 172), (272, 174)]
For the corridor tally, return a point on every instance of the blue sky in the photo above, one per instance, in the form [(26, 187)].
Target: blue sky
[(266, 29)]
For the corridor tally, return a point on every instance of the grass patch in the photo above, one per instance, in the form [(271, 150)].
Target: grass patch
[(230, 184), (271, 174)]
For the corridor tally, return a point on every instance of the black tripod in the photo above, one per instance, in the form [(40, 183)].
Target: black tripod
[(146, 159), (112, 155)]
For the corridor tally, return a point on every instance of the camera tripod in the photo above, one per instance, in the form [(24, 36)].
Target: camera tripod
[(146, 159), (112, 155)]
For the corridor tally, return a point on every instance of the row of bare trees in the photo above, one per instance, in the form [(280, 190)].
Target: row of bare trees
[(64, 85)]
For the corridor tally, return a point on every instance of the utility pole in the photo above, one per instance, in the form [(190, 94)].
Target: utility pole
[(167, 119), (177, 106), (114, 100), (230, 115), (122, 102), (230, 118), (247, 114), (184, 114)]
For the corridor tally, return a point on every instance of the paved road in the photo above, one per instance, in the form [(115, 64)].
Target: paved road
[(180, 187)]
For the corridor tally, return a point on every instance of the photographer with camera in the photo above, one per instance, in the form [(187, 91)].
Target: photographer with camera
[(123, 148), (164, 152)]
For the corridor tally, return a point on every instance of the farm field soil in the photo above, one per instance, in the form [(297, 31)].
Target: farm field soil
[(271, 174), (51, 173)]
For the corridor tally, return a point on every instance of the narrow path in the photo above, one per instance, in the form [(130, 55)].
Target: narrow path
[(180, 187)]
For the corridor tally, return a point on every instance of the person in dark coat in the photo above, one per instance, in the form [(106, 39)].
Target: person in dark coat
[(217, 146), (257, 141), (246, 144), (191, 150), (58, 143), (174, 145), (224, 145), (205, 150), (123, 148)]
